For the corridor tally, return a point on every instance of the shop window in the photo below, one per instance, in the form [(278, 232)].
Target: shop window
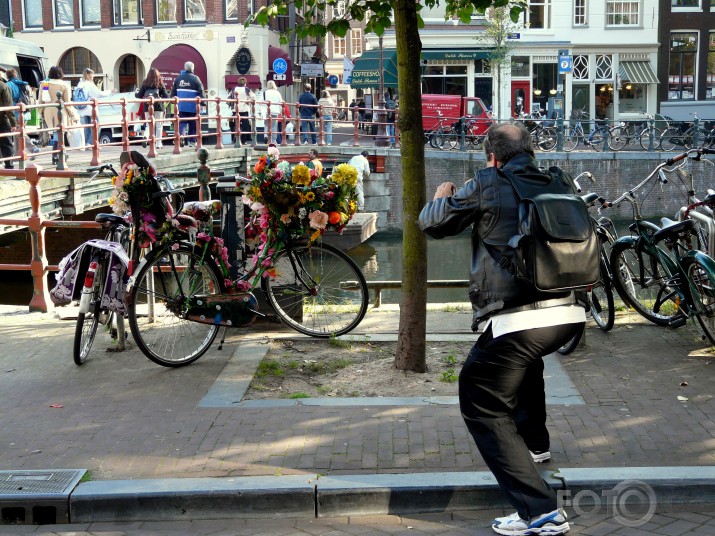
[(544, 83), (580, 67), (64, 13), (579, 13), (520, 66), (445, 80), (91, 13), (685, 3), (632, 98), (33, 13), (165, 11), (619, 13), (681, 69), (710, 87), (195, 10), (127, 12)]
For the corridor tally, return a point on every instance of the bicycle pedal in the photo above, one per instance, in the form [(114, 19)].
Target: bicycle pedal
[(678, 322)]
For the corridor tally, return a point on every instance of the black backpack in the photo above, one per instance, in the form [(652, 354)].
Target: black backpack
[(557, 249)]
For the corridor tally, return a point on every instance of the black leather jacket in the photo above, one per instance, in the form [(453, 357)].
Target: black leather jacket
[(488, 203)]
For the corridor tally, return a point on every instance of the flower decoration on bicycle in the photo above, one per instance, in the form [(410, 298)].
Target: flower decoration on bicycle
[(295, 201)]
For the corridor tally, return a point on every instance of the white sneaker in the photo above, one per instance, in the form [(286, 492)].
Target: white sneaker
[(540, 457), (551, 523)]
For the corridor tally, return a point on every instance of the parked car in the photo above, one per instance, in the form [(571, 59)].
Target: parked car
[(109, 114)]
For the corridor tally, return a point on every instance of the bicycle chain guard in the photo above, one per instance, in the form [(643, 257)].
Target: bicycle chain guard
[(233, 310)]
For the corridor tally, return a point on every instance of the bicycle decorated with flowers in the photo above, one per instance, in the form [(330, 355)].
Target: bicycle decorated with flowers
[(181, 291)]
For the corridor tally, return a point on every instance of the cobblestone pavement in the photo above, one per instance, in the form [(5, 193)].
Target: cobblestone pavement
[(463, 524)]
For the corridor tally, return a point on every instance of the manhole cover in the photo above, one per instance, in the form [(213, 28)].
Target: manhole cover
[(55, 481)]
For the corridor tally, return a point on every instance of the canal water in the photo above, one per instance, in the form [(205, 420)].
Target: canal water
[(380, 258)]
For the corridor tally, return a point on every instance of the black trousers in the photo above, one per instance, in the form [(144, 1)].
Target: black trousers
[(245, 126), (7, 147), (495, 374)]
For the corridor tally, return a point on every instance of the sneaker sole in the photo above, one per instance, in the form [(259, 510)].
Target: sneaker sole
[(551, 529), (541, 458)]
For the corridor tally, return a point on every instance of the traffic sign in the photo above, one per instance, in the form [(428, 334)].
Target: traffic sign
[(333, 80), (280, 66), (277, 76), (565, 64)]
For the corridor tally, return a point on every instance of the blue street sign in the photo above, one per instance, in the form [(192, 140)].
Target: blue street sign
[(565, 64), (280, 66), (333, 80)]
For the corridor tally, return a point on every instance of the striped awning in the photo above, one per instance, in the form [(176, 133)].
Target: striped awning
[(637, 72)]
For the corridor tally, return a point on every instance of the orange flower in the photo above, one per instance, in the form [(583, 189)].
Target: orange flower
[(333, 217), (260, 165)]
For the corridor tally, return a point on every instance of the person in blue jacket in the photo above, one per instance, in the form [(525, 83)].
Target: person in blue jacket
[(188, 86), (308, 105)]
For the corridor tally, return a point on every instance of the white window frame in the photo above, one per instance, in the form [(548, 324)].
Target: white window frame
[(356, 42), (194, 19), (156, 11), (547, 14), (118, 19), (82, 22), (580, 13), (55, 11), (611, 12), (685, 9), (38, 3), (339, 46)]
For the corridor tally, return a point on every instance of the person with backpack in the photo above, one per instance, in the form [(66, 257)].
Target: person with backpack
[(188, 86), (85, 91), (390, 106), (20, 91), (520, 324), (7, 125), (153, 86)]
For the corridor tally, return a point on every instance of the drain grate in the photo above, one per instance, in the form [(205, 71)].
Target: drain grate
[(37, 497), (51, 482)]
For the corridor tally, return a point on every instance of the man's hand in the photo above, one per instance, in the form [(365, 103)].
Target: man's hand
[(445, 189)]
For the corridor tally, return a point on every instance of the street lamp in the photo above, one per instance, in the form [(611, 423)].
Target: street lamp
[(381, 139)]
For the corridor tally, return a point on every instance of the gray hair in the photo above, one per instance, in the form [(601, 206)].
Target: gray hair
[(189, 66), (507, 141), (271, 85)]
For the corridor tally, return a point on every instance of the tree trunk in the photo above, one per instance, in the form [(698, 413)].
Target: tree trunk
[(410, 354)]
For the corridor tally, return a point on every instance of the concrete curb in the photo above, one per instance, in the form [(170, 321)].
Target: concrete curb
[(620, 489)]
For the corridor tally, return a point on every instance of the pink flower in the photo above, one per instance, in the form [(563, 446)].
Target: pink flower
[(285, 218), (318, 219), (203, 237), (273, 151), (265, 221), (243, 285), (175, 246), (328, 195), (219, 241)]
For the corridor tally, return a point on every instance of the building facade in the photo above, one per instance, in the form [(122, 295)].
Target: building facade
[(121, 39), (686, 66)]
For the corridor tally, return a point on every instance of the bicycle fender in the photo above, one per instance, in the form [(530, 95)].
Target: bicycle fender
[(629, 240), (707, 262)]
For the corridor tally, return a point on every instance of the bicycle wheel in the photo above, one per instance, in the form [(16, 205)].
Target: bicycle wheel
[(451, 141), (601, 298), (572, 344), (158, 301), (671, 139), (318, 290), (702, 293), (87, 322), (617, 138), (436, 140), (547, 139), (598, 139), (644, 139), (652, 296), (570, 139)]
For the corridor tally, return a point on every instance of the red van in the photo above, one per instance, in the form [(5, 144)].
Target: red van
[(445, 110)]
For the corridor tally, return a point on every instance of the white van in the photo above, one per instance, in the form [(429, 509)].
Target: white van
[(27, 59)]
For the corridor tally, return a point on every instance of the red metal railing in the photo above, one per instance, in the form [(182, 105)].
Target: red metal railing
[(217, 112)]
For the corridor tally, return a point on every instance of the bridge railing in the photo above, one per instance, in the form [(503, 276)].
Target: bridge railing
[(36, 223)]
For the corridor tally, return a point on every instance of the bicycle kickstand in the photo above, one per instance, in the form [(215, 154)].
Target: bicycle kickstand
[(223, 337)]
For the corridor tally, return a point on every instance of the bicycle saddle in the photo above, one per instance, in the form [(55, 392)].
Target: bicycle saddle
[(672, 229)]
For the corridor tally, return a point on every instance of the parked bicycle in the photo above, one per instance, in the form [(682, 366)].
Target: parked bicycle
[(658, 271), (630, 132), (543, 135), (695, 135), (179, 295), (600, 296), (574, 134)]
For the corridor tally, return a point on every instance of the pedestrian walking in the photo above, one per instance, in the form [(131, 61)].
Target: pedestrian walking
[(308, 106), (390, 118), (244, 97), (361, 163), (188, 86), (153, 86), (7, 125), (51, 114), (520, 325), (353, 110), (21, 92), (327, 108), (275, 100), (91, 91)]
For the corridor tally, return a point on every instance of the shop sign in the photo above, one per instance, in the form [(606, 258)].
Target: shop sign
[(311, 70), (243, 61)]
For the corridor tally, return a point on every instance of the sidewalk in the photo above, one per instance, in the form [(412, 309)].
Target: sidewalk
[(646, 403)]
